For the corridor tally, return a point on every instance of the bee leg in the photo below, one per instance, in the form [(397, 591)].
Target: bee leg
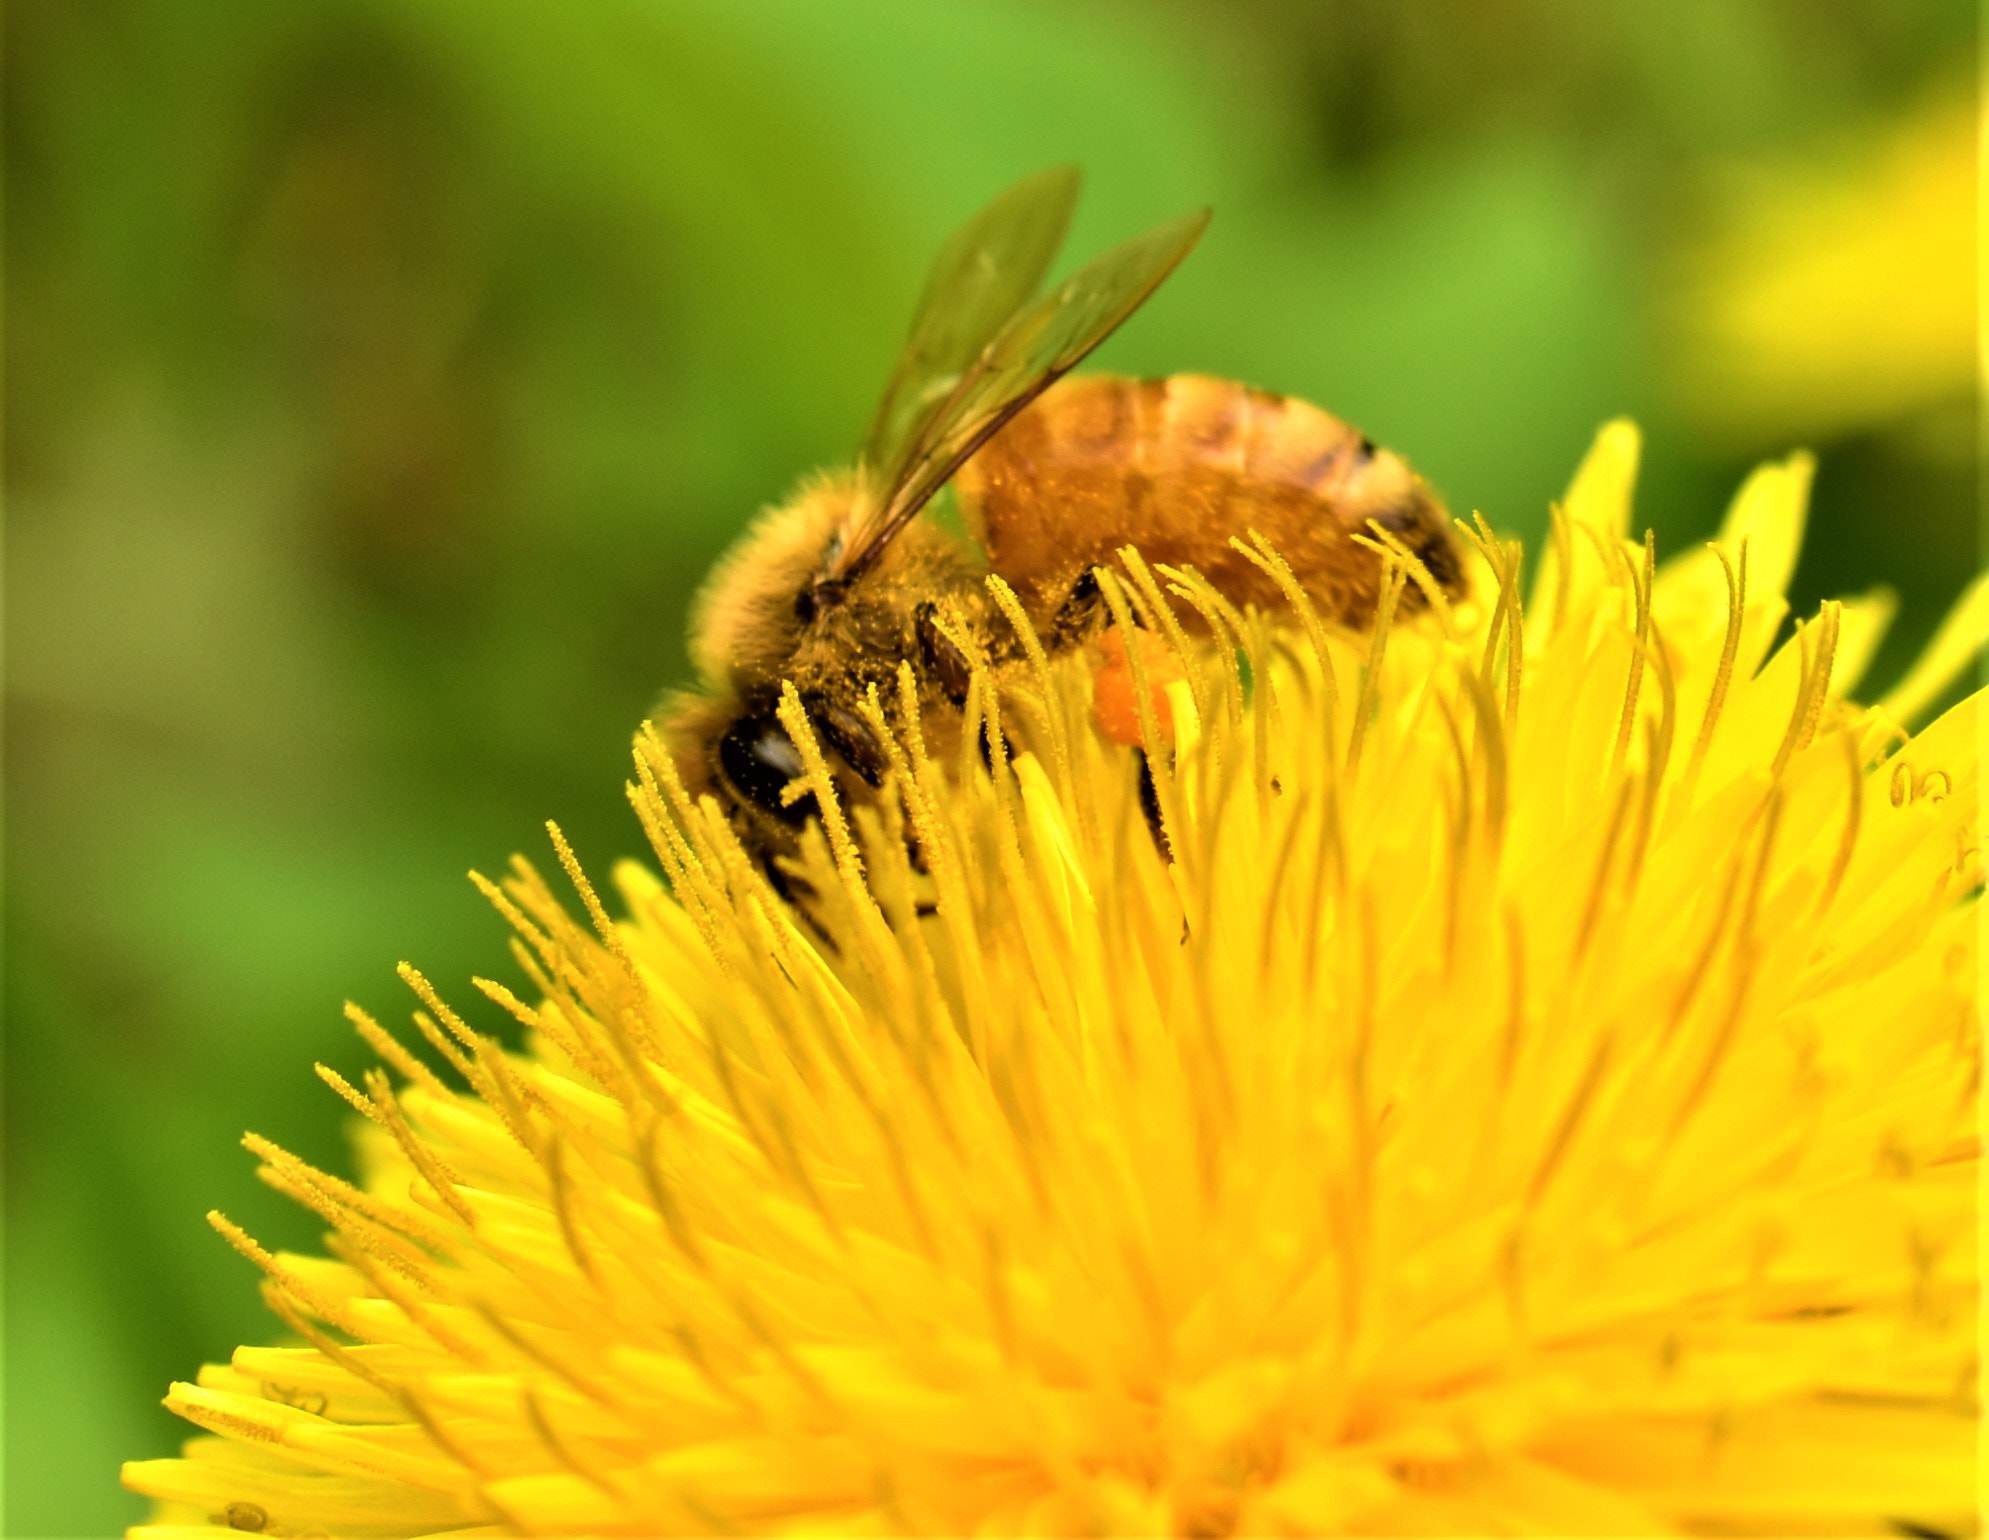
[(945, 663), (794, 890), (1081, 612), (799, 895), (850, 736), (984, 741), (1422, 527), (1150, 804)]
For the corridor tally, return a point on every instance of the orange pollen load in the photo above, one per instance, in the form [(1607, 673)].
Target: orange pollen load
[(1113, 693)]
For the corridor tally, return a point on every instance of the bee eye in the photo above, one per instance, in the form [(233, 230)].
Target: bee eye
[(759, 759)]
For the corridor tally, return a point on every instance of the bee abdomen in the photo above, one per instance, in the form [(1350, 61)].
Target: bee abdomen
[(1179, 465), (1183, 423)]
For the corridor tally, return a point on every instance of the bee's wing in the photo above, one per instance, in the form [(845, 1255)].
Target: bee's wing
[(1048, 339), (986, 272)]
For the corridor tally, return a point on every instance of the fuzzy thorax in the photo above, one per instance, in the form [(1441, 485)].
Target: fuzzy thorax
[(748, 630)]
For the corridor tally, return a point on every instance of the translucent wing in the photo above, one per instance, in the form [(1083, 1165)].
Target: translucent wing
[(985, 273), (1039, 344)]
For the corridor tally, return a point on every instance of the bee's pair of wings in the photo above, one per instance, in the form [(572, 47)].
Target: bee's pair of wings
[(982, 347)]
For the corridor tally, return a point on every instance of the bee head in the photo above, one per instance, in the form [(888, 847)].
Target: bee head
[(768, 589)]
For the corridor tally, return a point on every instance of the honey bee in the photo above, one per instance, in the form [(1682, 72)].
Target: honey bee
[(837, 588)]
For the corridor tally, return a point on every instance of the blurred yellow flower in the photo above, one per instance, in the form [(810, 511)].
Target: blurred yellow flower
[(1538, 1096), (1839, 295)]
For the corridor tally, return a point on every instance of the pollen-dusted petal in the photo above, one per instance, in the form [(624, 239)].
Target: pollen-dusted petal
[(1433, 1086), (347, 1505)]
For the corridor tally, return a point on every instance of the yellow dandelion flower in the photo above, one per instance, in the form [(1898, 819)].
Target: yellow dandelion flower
[(1536, 1095)]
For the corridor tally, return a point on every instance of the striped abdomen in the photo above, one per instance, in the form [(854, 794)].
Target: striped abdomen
[(1176, 467)]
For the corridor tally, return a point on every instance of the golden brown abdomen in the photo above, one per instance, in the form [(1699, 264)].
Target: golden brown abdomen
[(1176, 467)]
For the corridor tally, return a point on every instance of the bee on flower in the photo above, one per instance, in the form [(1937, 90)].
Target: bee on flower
[(1497, 1057)]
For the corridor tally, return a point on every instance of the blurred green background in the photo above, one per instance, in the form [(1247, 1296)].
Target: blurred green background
[(381, 378)]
